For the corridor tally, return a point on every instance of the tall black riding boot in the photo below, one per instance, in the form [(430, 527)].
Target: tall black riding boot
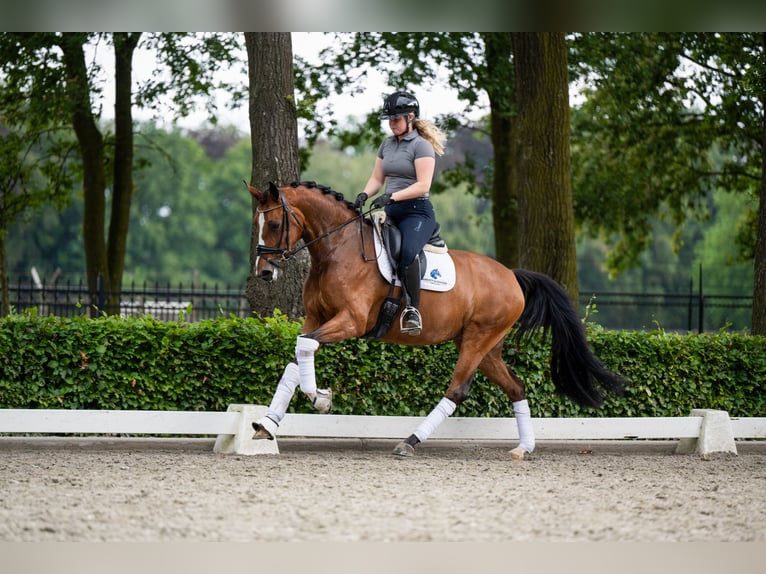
[(410, 321)]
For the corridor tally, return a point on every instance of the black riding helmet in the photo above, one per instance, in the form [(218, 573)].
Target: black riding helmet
[(399, 104)]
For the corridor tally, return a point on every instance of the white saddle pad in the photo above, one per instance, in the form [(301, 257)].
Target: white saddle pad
[(440, 269)]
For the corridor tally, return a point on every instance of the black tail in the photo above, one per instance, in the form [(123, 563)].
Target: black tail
[(576, 372)]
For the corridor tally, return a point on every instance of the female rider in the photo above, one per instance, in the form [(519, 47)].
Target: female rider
[(405, 164)]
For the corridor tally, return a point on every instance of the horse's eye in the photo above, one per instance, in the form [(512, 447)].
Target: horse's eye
[(274, 225)]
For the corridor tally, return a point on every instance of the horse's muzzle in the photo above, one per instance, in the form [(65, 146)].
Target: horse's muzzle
[(265, 269)]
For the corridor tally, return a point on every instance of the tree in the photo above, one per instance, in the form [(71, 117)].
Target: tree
[(661, 112), (35, 150), (546, 221), (190, 222), (34, 171), (92, 153), (58, 72), (759, 251), (503, 130), (274, 136)]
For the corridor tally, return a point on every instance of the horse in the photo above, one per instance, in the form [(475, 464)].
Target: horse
[(344, 292)]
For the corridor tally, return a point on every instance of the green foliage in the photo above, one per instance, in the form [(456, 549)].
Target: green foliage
[(190, 218), (115, 363), (187, 64), (666, 119)]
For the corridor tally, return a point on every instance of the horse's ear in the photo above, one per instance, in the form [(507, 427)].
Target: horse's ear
[(254, 192), (274, 191)]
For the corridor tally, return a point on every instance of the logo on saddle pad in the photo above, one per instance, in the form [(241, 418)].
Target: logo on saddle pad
[(440, 269)]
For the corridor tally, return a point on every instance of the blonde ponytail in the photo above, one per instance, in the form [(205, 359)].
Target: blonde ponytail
[(430, 131)]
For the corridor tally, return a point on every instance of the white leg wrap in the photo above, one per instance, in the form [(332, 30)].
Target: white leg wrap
[(284, 393), (524, 424), (444, 409), (304, 352)]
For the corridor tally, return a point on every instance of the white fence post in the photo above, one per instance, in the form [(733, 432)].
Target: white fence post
[(242, 441), (716, 435)]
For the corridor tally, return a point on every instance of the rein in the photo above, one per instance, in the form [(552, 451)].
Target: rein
[(287, 253)]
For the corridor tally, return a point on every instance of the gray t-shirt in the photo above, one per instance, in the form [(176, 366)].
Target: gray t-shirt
[(399, 159)]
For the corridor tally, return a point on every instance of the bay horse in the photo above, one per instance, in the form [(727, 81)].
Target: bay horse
[(344, 292)]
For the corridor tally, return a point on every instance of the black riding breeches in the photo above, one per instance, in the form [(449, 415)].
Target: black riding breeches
[(416, 220)]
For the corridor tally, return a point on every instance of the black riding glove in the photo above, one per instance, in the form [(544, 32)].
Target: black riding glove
[(382, 201), (359, 201)]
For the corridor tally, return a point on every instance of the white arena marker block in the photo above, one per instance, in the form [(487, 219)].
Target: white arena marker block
[(242, 442), (716, 434)]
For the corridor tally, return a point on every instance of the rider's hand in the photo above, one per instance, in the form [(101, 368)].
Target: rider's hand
[(359, 201), (382, 201)]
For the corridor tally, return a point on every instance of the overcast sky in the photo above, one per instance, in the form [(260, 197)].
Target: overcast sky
[(433, 102)]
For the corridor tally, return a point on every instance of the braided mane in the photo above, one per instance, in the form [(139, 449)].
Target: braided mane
[(324, 189)]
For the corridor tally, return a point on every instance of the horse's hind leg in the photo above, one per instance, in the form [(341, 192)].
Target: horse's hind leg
[(497, 371), (473, 347)]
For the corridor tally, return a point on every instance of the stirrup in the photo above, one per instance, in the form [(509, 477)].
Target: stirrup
[(410, 321)]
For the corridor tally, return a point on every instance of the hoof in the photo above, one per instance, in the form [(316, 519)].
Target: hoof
[(404, 449), (262, 434), (518, 453), (264, 429), (321, 400)]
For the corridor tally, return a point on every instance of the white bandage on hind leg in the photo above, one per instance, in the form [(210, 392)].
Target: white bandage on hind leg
[(284, 393), (524, 424), (304, 352), (436, 417)]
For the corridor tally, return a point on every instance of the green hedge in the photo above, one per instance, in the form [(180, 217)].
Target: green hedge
[(114, 363)]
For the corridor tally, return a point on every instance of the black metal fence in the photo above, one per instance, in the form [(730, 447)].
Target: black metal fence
[(691, 312), (163, 302), (685, 313)]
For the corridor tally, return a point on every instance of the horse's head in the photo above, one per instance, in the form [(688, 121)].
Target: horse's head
[(279, 229)]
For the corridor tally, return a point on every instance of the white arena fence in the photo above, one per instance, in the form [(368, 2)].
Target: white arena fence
[(704, 432)]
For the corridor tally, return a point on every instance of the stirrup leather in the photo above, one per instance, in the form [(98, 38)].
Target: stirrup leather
[(414, 329)]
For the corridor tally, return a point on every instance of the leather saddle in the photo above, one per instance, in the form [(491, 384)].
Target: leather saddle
[(392, 241)]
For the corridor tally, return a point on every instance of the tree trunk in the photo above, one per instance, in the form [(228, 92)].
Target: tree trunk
[(6, 299), (546, 223), (759, 256), (274, 136), (91, 144), (499, 86), (122, 189)]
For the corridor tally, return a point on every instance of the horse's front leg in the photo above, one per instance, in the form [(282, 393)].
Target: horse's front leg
[(300, 372), (266, 427), (305, 349)]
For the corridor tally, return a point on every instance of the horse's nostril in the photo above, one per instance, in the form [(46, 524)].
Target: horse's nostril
[(266, 275)]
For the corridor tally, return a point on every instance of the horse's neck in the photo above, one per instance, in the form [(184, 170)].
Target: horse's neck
[(328, 228), (321, 221)]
